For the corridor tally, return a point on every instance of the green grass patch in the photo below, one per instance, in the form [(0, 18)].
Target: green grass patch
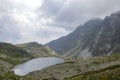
[(109, 73)]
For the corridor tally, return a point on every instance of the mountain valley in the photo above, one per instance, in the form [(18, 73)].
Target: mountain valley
[(90, 52)]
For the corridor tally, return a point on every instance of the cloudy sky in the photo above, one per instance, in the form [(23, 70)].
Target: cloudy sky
[(45, 20)]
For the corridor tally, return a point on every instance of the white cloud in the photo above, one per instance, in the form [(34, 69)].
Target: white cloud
[(32, 4), (45, 20), (24, 24)]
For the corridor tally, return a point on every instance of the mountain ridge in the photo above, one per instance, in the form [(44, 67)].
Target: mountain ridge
[(37, 50), (96, 37)]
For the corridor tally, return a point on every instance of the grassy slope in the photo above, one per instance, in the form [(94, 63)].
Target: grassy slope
[(109, 72), (10, 56), (37, 50), (12, 51)]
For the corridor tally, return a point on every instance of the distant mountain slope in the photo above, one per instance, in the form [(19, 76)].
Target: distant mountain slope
[(7, 49), (37, 50), (96, 37), (66, 43)]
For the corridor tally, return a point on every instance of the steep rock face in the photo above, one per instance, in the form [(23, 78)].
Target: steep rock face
[(80, 39), (37, 50), (86, 39), (109, 39), (95, 38)]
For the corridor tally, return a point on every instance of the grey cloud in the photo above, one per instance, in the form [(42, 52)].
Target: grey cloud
[(45, 34), (5, 6), (51, 7), (79, 11), (65, 16), (9, 29), (65, 25)]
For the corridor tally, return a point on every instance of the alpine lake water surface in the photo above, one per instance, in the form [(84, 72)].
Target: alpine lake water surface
[(36, 64)]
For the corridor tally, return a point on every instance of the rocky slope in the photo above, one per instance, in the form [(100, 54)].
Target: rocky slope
[(10, 55), (109, 73), (72, 69), (78, 67), (37, 50), (9, 50), (95, 38)]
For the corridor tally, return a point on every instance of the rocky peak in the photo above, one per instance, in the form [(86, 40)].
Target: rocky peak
[(115, 15), (96, 37)]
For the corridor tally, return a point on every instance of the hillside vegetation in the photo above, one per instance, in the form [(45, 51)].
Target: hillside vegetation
[(109, 73), (10, 56), (10, 50), (97, 68)]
